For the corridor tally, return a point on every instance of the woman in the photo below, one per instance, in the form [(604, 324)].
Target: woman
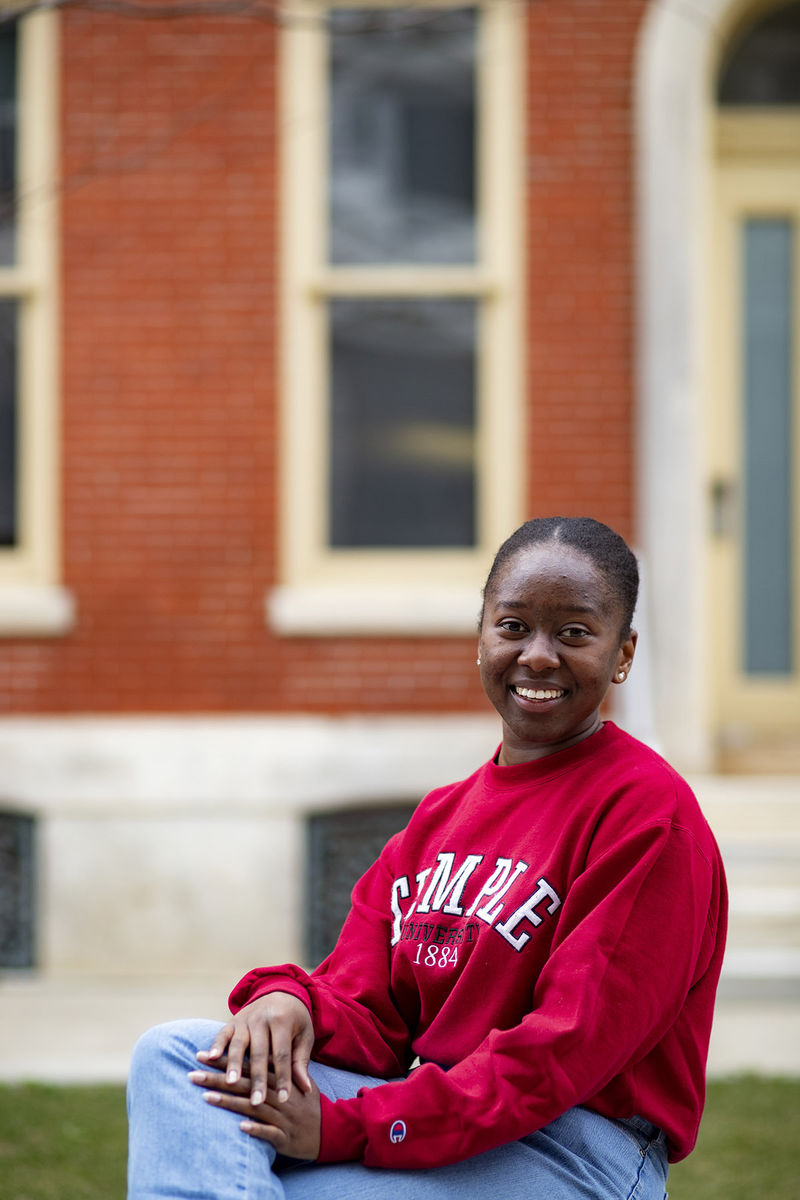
[(545, 938)]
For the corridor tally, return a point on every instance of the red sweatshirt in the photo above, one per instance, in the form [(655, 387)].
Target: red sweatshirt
[(540, 936)]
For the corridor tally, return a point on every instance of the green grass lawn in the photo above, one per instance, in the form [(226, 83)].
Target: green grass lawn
[(62, 1143), (69, 1143), (747, 1149)]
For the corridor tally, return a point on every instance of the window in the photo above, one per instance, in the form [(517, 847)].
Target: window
[(17, 890), (761, 68), (767, 321), (402, 244), (30, 600), (341, 846)]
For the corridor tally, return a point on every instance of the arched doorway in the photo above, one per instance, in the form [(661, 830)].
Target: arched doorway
[(689, 493), (753, 434)]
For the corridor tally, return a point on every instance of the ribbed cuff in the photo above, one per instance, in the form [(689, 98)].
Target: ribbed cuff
[(240, 996), (342, 1138)]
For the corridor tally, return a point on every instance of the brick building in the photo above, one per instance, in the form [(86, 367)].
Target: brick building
[(303, 310)]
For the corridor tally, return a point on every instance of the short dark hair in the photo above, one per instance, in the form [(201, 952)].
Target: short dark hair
[(608, 551)]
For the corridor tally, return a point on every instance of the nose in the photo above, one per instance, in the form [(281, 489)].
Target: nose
[(539, 652)]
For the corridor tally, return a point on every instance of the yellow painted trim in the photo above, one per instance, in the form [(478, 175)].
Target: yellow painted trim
[(17, 281), (762, 133), (302, 157), (308, 281), (403, 281), (33, 280), (744, 702)]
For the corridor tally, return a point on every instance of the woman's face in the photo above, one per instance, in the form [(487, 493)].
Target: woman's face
[(550, 646)]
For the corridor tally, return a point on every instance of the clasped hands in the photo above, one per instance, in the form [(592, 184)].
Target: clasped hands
[(257, 1066)]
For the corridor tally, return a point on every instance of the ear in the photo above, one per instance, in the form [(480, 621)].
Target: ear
[(625, 657)]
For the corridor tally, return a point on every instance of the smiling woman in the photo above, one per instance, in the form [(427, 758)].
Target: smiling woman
[(556, 632), (497, 1016)]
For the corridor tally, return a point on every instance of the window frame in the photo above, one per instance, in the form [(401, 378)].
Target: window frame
[(433, 590), (31, 600)]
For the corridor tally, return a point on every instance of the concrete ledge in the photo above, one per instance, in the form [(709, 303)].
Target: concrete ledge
[(82, 1030), (754, 1036), (36, 610), (146, 765)]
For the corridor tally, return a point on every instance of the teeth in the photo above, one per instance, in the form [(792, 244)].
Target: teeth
[(539, 693)]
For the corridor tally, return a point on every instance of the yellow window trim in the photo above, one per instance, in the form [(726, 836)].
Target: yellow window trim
[(31, 600), (349, 581)]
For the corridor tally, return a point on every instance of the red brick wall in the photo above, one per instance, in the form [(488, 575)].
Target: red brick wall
[(580, 237), (169, 259)]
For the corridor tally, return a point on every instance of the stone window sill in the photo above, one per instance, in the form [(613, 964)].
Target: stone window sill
[(421, 611), (35, 610)]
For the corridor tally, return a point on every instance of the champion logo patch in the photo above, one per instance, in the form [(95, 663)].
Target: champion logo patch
[(397, 1132)]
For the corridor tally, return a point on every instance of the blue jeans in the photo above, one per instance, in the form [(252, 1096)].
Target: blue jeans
[(182, 1148)]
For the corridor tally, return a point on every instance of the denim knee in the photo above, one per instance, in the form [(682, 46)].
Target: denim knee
[(171, 1044)]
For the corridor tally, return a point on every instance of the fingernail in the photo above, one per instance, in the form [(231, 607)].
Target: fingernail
[(211, 1097), (197, 1076), (232, 1076), (283, 1095)]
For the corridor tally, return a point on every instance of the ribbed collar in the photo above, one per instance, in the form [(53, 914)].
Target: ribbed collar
[(540, 769)]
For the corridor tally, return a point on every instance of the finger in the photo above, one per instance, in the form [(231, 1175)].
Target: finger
[(217, 1082), (301, 1056), (242, 1105), (231, 1101), (222, 1064), (282, 1062), (259, 1062), (236, 1052), (265, 1133), (219, 1060), (219, 1045)]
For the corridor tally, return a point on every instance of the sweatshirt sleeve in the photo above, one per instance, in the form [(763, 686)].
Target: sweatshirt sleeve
[(635, 935), (357, 1025)]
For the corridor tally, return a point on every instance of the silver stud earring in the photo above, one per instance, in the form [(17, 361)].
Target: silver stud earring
[(478, 661), (621, 676)]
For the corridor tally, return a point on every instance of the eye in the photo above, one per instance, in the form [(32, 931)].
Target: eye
[(512, 625), (574, 633)]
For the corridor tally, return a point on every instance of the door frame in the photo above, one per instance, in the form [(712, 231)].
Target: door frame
[(678, 56), (751, 181)]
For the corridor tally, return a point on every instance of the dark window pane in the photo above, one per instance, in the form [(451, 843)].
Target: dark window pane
[(764, 66), (8, 118), (341, 847), (8, 422), (402, 469), (402, 171), (16, 891), (768, 559)]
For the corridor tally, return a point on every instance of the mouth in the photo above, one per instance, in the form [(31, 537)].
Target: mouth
[(538, 694)]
